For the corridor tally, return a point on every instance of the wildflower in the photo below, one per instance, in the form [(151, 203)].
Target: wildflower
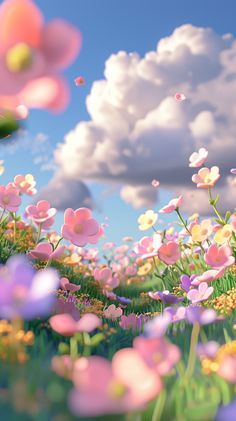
[(172, 205), (25, 184), (68, 286), (201, 232), (128, 384), (218, 257), (176, 313), (208, 276), (179, 96), (113, 312), (169, 253), (66, 325), (201, 294), (79, 81), (198, 158), (145, 269), (105, 278), (44, 251), (9, 198), (165, 296), (147, 220), (79, 227), (41, 212), (196, 314), (206, 178), (186, 282), (157, 327), (224, 234)]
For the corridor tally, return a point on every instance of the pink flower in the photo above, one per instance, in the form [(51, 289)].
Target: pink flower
[(206, 178), (79, 227), (233, 171), (113, 312), (201, 294), (208, 276), (131, 321), (9, 198), (198, 158), (41, 212), (159, 354), (68, 286), (66, 325), (79, 81), (148, 246), (128, 384), (31, 55), (179, 96), (25, 184), (227, 368), (218, 257), (172, 205), (105, 278), (44, 251), (169, 253)]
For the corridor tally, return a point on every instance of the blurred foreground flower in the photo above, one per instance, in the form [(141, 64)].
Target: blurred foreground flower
[(25, 293)]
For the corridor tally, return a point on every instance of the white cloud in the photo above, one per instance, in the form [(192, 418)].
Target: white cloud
[(138, 131)]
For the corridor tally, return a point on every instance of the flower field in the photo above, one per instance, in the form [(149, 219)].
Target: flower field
[(144, 330)]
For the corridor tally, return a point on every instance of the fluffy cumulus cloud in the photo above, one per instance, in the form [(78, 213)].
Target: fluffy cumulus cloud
[(63, 192), (138, 131)]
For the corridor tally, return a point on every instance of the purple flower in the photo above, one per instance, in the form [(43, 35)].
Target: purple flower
[(123, 300), (157, 327), (165, 296), (208, 349), (201, 294), (196, 314), (186, 282), (177, 313), (66, 306), (23, 291), (226, 413)]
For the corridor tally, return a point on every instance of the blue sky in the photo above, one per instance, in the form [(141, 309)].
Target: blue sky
[(108, 26)]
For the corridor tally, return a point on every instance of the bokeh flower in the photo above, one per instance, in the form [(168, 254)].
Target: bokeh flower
[(147, 220), (79, 227), (206, 178)]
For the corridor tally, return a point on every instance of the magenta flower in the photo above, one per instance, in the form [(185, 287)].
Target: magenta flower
[(201, 294), (169, 253), (66, 325), (79, 227), (186, 282), (158, 353), (23, 291), (44, 251), (31, 55), (66, 306), (148, 246), (128, 384), (40, 213), (68, 286), (105, 278), (196, 314), (198, 158), (172, 205), (9, 198), (218, 257)]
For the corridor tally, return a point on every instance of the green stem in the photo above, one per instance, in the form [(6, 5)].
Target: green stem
[(39, 233), (211, 200), (183, 221), (160, 403), (192, 351), (73, 348)]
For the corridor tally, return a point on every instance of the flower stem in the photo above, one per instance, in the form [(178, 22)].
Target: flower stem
[(183, 221), (160, 403), (192, 351)]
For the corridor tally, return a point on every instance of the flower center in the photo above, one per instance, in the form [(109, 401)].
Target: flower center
[(116, 390), (78, 229), (19, 58)]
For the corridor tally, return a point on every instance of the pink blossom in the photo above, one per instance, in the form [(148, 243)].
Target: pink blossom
[(201, 294), (105, 278), (44, 251), (79, 81), (155, 183), (66, 325), (41, 212), (218, 257), (113, 312), (208, 276), (169, 253), (198, 158), (108, 246), (80, 227), (148, 246), (25, 184), (68, 286), (206, 178), (31, 55), (158, 353), (172, 205), (9, 198), (179, 96), (128, 384)]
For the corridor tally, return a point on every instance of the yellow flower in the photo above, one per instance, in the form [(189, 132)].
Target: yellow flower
[(200, 232), (1, 167), (224, 234), (147, 220), (193, 217), (145, 269)]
